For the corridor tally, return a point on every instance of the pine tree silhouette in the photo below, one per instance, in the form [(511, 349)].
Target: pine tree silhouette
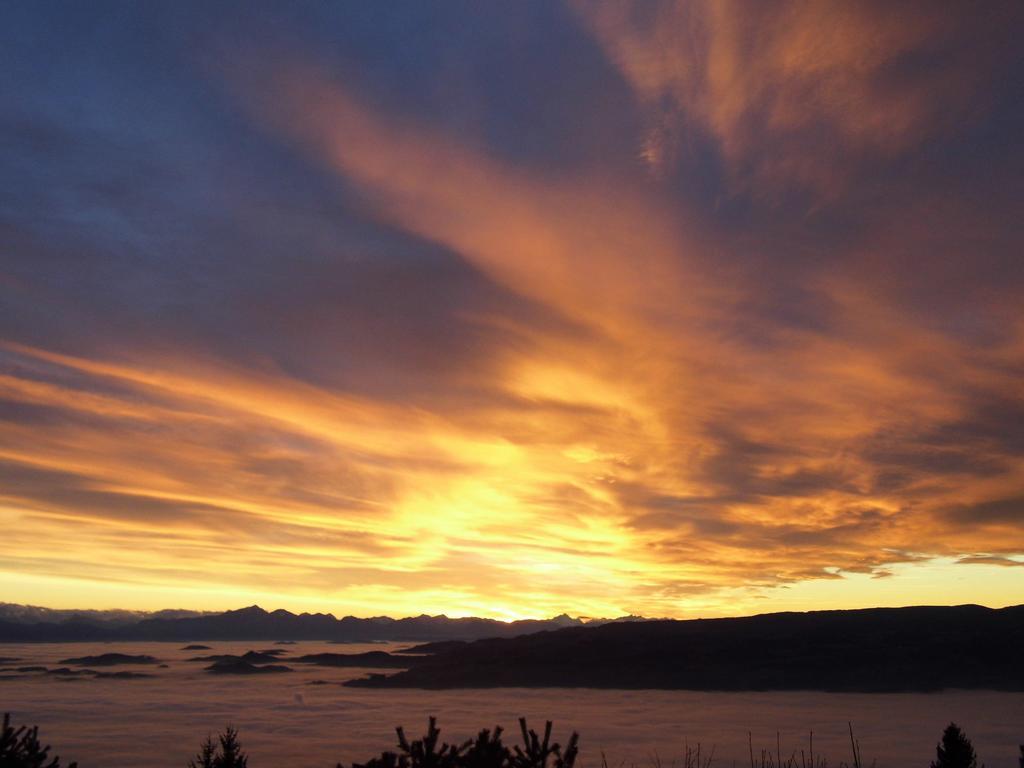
[(226, 752), (231, 754), (207, 755), (486, 751), (535, 753), (20, 748), (955, 751)]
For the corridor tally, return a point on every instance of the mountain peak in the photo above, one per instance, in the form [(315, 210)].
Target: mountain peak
[(252, 610)]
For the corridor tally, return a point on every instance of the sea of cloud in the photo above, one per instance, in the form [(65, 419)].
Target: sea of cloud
[(286, 720)]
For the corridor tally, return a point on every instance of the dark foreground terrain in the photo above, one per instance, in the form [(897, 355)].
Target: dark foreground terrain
[(874, 650), (21, 748)]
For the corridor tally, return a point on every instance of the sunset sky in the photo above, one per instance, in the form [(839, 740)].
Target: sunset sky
[(510, 309)]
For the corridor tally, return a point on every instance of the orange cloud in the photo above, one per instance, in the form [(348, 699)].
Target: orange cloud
[(797, 93), (662, 442)]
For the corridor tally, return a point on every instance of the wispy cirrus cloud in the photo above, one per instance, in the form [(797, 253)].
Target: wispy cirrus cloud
[(801, 94)]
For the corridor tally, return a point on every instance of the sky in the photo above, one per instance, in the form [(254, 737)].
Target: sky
[(511, 309)]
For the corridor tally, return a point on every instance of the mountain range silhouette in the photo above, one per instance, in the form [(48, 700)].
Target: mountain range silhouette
[(255, 623)]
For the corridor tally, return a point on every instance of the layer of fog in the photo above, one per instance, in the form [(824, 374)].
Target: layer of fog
[(284, 720)]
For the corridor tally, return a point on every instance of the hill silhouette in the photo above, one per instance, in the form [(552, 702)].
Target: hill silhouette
[(881, 649), (110, 660), (238, 666)]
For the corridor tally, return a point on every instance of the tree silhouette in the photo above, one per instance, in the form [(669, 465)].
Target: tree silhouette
[(20, 748), (226, 752), (1021, 758), (207, 755), (231, 754), (486, 751), (955, 751)]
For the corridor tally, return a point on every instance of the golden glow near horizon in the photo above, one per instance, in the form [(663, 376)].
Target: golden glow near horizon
[(640, 440)]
